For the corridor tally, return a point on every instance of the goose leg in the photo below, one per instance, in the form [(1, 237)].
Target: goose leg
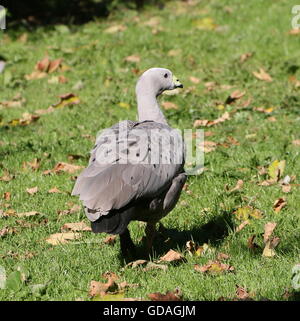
[(127, 246), (150, 234)]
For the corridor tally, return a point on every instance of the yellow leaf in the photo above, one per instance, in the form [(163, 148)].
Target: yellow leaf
[(276, 169), (124, 105), (205, 24)]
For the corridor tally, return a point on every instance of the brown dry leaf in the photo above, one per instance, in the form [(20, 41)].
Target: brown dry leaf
[(267, 182), (110, 239), (6, 196), (241, 293), (239, 186), (54, 65), (262, 75), (210, 85), (172, 256), (245, 56), (133, 58), (34, 164), (65, 167), (100, 289), (75, 208), (234, 96), (250, 243), (194, 249), (269, 250), (28, 214), (62, 238), (67, 100), (124, 285), (174, 52), (242, 225), (136, 263), (7, 231), (279, 204), (45, 111), (269, 228), (169, 105), (208, 146), (296, 142), (152, 22), (153, 266), (79, 226), (286, 188), (32, 190), (115, 29), (175, 295), (295, 31), (214, 267), (6, 177), (54, 190), (17, 101), (208, 123), (223, 256), (272, 119), (194, 80)]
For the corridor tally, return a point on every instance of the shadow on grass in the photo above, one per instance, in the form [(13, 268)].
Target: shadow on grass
[(212, 232)]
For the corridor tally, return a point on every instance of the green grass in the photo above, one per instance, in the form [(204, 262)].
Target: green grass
[(97, 59)]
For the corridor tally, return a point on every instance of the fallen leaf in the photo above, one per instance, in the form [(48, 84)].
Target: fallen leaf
[(296, 142), (26, 119), (80, 226), (295, 31), (75, 208), (152, 22), (115, 29), (175, 295), (241, 293), (67, 100), (174, 52), (205, 24), (208, 146), (234, 96), (242, 225), (194, 80), (239, 185), (269, 250), (279, 204), (169, 105), (62, 238), (269, 228), (250, 243), (7, 231), (208, 123), (172, 256), (110, 240), (286, 188), (28, 214), (6, 196), (264, 110), (214, 267), (32, 190), (54, 190), (243, 213), (223, 256), (34, 164), (262, 75), (245, 56), (65, 167), (133, 58), (154, 266), (6, 177), (276, 169)]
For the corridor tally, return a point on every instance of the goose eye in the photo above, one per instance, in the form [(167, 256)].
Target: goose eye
[(166, 75)]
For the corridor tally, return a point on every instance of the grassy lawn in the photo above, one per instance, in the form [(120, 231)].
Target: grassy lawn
[(200, 39)]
